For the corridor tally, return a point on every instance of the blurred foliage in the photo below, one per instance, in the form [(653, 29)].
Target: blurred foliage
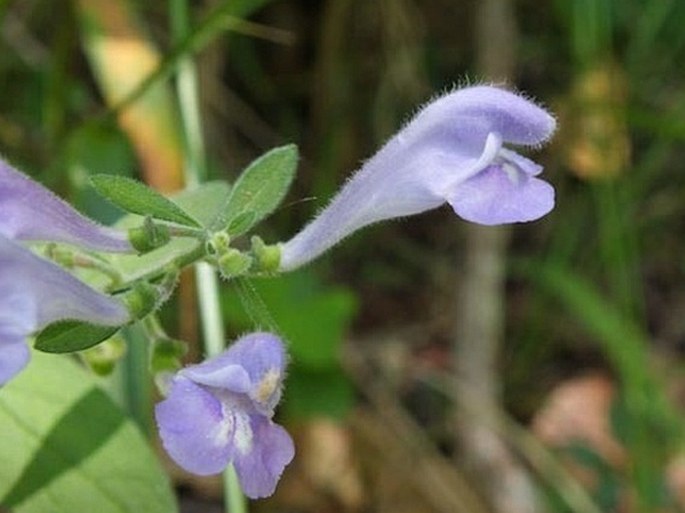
[(337, 77)]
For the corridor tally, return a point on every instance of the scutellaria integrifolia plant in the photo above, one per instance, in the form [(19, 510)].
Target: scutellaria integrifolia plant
[(219, 413), (453, 151)]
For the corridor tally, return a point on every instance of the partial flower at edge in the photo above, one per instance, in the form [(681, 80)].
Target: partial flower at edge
[(35, 293), (30, 212)]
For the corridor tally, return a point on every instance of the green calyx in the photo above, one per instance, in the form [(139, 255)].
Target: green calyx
[(142, 299), (218, 243), (268, 257), (149, 237), (233, 263)]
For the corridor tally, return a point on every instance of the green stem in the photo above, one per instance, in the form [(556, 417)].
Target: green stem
[(207, 281), (93, 263), (210, 310), (179, 262), (187, 231), (234, 500), (153, 328), (69, 258)]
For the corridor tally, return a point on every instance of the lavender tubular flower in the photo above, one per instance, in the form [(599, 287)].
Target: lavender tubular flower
[(219, 412), (31, 212), (452, 151), (35, 293)]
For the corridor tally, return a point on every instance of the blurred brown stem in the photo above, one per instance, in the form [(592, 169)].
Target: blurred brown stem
[(479, 312), (444, 487)]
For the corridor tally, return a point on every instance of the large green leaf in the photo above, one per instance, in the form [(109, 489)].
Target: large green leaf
[(66, 446), (137, 198), (259, 189)]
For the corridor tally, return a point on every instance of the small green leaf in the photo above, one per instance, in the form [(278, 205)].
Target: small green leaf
[(259, 189), (70, 336), (137, 198)]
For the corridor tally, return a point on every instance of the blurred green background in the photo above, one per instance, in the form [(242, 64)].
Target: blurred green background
[(589, 363)]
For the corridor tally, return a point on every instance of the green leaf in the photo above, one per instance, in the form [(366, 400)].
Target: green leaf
[(260, 188), (205, 202), (137, 198), (70, 336), (66, 446)]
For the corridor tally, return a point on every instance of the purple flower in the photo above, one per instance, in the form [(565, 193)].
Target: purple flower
[(219, 412), (31, 212), (452, 151), (35, 293)]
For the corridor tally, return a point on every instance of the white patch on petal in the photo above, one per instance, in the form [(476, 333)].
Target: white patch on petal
[(491, 151), (267, 386), (224, 429), (512, 171), (242, 438)]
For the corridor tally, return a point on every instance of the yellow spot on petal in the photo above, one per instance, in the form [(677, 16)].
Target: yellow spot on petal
[(267, 386)]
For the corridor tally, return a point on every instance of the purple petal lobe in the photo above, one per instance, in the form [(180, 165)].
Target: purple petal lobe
[(33, 213), (212, 373), (522, 163), (194, 428), (14, 355), (495, 197), (253, 365), (55, 293), (260, 469), (480, 110)]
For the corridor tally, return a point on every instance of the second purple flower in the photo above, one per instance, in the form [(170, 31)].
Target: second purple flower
[(219, 413)]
